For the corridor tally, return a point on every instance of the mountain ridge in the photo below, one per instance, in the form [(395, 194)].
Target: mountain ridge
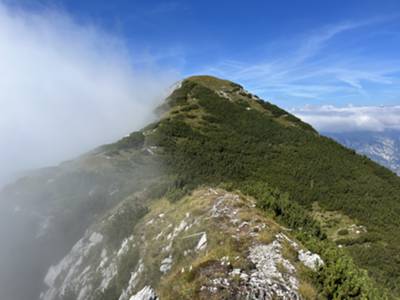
[(212, 134)]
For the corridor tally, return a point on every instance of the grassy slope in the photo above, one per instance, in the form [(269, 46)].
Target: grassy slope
[(234, 138), (209, 138), (230, 234)]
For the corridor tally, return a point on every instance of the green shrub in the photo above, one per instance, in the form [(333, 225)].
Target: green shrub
[(343, 232), (245, 150)]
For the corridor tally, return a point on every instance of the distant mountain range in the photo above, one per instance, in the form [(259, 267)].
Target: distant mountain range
[(382, 147)]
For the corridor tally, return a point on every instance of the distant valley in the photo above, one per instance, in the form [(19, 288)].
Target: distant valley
[(382, 147)]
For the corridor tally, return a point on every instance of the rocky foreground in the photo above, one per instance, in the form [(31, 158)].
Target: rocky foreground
[(211, 244)]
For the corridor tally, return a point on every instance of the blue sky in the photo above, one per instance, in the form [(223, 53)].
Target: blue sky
[(95, 70), (294, 53)]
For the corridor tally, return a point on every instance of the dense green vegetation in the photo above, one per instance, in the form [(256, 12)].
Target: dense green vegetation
[(339, 278), (213, 132), (247, 143)]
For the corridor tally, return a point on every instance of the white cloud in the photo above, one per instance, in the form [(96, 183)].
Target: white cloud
[(66, 88), (319, 66), (329, 118)]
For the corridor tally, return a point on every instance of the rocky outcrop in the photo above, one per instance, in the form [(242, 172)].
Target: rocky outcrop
[(147, 293), (208, 236)]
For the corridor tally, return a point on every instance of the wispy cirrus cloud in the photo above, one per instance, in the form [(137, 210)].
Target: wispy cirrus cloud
[(320, 68)]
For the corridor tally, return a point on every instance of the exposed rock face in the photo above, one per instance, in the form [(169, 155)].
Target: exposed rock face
[(202, 244), (134, 232), (166, 264), (267, 281), (309, 259), (206, 236), (70, 270), (133, 281), (147, 293)]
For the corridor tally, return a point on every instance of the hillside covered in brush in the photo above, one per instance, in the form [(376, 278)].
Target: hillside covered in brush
[(224, 197)]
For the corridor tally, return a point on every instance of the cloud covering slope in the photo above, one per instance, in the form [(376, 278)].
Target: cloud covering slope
[(65, 88)]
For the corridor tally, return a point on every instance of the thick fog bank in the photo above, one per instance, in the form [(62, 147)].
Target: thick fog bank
[(66, 88)]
